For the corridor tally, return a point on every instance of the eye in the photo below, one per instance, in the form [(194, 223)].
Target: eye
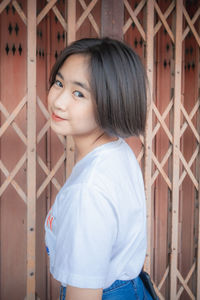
[(78, 94), (58, 83)]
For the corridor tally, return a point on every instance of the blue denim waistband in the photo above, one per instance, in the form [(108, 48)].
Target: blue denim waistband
[(62, 293), (116, 284)]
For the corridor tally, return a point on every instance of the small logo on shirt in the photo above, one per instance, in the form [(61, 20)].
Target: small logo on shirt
[(50, 220), (47, 250)]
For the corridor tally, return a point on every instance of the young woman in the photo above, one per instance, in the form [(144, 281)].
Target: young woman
[(96, 229)]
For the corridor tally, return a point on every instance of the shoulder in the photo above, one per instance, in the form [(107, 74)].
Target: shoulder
[(115, 166), (84, 197), (102, 175)]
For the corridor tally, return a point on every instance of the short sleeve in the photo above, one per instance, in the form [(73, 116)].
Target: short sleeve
[(86, 232)]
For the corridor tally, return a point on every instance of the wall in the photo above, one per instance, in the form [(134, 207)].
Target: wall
[(35, 162)]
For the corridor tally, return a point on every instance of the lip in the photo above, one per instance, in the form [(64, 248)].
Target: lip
[(57, 118)]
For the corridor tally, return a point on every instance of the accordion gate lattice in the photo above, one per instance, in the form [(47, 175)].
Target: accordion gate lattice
[(151, 173)]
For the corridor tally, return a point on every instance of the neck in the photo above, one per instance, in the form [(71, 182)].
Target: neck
[(85, 144)]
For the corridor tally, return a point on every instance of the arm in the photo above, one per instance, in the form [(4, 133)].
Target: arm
[(74, 293)]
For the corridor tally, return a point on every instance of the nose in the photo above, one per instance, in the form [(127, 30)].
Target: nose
[(61, 101)]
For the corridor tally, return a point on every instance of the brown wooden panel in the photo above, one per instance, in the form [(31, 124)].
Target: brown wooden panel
[(188, 198), (56, 41), (133, 38), (12, 206), (149, 27), (31, 150), (176, 148), (91, 27), (164, 69), (41, 203), (112, 18)]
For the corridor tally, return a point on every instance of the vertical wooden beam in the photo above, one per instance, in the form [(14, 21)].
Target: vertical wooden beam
[(31, 147), (172, 64), (71, 21), (112, 18), (198, 177), (0, 170), (148, 134), (71, 36), (198, 252), (48, 151), (176, 148)]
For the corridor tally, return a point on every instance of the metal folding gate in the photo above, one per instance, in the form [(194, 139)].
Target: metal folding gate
[(34, 162)]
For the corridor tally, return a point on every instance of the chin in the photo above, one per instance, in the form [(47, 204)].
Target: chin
[(57, 131)]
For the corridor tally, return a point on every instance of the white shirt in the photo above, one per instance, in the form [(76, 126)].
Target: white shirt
[(96, 229)]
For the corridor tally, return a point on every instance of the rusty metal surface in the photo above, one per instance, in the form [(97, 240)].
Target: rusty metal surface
[(169, 154)]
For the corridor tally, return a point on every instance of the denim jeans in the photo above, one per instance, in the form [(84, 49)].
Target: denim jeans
[(121, 290)]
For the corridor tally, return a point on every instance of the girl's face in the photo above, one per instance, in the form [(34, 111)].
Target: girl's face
[(70, 100)]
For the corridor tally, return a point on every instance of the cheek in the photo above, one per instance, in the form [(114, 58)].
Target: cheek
[(86, 118), (90, 114), (90, 119)]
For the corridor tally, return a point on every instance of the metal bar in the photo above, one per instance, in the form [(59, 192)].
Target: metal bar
[(1, 277), (191, 26), (71, 36), (71, 24), (136, 12), (3, 5), (49, 179), (162, 164), (135, 20), (43, 131), (12, 116), (12, 174), (185, 283), (191, 115), (31, 148), (195, 17), (170, 165), (48, 147), (176, 148), (60, 18), (50, 175), (45, 10), (148, 134), (20, 11), (161, 170), (13, 182), (198, 252), (189, 172), (162, 122), (164, 21), (188, 166), (165, 15), (112, 18), (189, 121), (198, 178), (91, 18), (85, 13), (13, 124)]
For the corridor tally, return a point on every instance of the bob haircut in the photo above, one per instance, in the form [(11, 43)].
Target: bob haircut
[(118, 84)]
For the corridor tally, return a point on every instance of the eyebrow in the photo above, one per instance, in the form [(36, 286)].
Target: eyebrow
[(81, 84)]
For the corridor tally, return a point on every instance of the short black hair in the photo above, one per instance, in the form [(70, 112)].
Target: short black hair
[(118, 83)]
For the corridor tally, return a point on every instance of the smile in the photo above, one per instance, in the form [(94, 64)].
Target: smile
[(57, 118)]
